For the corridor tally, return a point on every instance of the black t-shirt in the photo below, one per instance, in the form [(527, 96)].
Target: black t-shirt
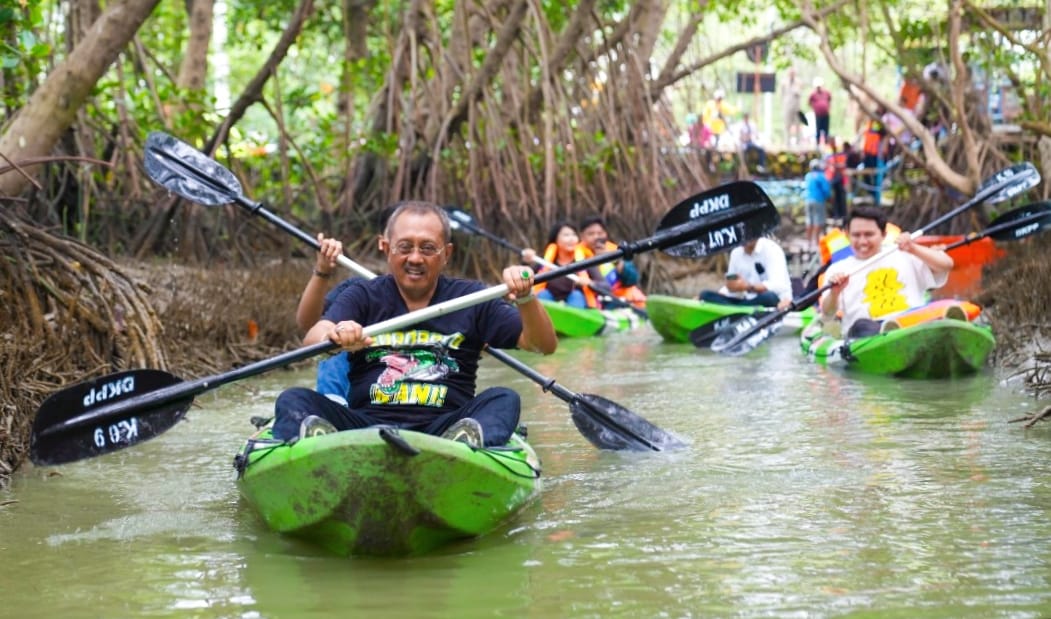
[(336, 290), (430, 367)]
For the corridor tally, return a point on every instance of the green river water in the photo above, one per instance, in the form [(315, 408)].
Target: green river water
[(805, 493)]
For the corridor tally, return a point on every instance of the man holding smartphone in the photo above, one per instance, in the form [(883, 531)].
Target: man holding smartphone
[(757, 275)]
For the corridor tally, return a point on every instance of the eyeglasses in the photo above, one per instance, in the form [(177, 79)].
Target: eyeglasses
[(427, 250)]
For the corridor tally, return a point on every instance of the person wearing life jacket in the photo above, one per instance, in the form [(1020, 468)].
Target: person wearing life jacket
[(621, 276), (836, 173), (872, 141), (563, 247)]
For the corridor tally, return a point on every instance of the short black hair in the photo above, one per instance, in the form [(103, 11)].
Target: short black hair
[(874, 213), (593, 219)]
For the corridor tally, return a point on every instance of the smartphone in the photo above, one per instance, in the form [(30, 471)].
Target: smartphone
[(732, 276)]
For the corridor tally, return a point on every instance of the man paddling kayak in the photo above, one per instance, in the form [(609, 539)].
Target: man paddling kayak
[(865, 290), (421, 378)]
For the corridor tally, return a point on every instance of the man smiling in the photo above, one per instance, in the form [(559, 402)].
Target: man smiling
[(867, 291), (421, 378)]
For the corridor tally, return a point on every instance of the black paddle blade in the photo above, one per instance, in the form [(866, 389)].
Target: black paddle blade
[(1021, 222), (729, 197), (727, 343), (1013, 181), (186, 171), (706, 236), (608, 425), (459, 217), (704, 335), (51, 442)]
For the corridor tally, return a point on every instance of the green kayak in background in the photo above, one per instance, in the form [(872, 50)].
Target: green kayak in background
[(942, 348), (675, 318), (572, 321), (384, 492)]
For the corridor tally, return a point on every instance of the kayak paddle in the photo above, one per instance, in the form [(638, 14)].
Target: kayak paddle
[(733, 195), (462, 220), (749, 332), (609, 425), (119, 410), (1014, 225)]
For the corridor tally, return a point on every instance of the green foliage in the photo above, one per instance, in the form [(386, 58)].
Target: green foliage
[(23, 53), (315, 79)]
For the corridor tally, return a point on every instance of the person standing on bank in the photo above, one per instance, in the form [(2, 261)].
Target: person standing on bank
[(423, 377), (836, 173), (821, 103), (868, 292), (756, 275), (791, 99), (716, 115), (818, 191)]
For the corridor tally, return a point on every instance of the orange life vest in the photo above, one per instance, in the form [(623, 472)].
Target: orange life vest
[(550, 253), (631, 294), (909, 95), (873, 137)]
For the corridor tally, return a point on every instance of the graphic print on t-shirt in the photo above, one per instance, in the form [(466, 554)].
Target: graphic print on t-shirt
[(415, 363), (883, 292)]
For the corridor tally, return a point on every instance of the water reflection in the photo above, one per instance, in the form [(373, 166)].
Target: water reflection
[(806, 491)]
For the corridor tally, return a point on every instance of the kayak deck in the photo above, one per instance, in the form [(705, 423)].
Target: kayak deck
[(570, 321), (675, 318), (354, 493), (937, 349)]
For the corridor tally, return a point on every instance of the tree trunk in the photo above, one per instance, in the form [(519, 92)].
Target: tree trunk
[(194, 67), (559, 57), (474, 89), (53, 107)]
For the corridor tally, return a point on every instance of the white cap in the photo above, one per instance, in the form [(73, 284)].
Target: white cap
[(818, 82), (719, 93)]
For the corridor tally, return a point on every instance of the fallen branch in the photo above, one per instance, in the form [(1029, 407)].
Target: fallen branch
[(1031, 419)]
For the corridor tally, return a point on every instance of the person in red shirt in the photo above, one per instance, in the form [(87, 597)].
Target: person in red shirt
[(821, 103)]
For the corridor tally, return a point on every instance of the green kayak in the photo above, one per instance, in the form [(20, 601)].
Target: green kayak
[(675, 318), (935, 349), (572, 321), (383, 492)]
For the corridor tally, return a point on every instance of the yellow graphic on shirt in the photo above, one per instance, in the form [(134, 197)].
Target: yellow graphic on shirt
[(416, 362), (883, 292)]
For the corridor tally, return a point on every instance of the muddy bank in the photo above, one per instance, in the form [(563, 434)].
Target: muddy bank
[(191, 322)]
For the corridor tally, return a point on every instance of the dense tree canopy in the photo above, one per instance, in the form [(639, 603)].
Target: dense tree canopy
[(523, 110)]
